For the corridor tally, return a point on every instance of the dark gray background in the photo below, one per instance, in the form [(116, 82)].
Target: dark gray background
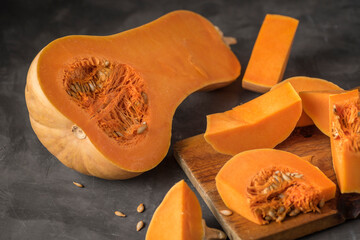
[(37, 197)]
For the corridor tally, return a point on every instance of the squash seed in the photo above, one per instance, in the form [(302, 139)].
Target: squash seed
[(322, 203), (294, 212), (119, 134), (77, 87), (140, 208), (73, 87), (285, 177), (145, 97), (271, 213), (268, 218), (298, 175), (281, 210), (334, 109), (92, 88), (120, 214), (139, 225), (142, 128), (106, 63), (78, 184), (78, 132), (226, 212)]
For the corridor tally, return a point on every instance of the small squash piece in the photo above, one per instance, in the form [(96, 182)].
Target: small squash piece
[(316, 106), (344, 111), (270, 53), (179, 217), (103, 105), (265, 185), (301, 83), (262, 122)]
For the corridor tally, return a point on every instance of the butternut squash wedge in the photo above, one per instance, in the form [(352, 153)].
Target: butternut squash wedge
[(270, 53), (301, 83), (316, 106), (262, 122), (265, 185), (344, 111), (103, 105), (179, 217)]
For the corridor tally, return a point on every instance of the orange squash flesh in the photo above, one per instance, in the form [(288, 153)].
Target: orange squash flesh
[(178, 217), (265, 185), (270, 53), (263, 122), (121, 91), (316, 106), (301, 83), (344, 111)]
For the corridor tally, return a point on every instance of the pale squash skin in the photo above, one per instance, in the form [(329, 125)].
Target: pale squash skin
[(54, 131), (173, 77)]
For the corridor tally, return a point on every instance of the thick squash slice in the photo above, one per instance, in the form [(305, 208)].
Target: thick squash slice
[(316, 106), (103, 105), (344, 123), (270, 53), (301, 84), (264, 122), (178, 217), (265, 185)]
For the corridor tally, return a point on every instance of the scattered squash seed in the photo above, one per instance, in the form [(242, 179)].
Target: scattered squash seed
[(140, 208), (226, 212), (78, 184), (120, 214), (139, 225)]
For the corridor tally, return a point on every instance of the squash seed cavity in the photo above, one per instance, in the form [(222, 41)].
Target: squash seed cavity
[(346, 124), (112, 94), (275, 194)]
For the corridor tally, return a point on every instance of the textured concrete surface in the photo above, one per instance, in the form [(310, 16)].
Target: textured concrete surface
[(37, 197)]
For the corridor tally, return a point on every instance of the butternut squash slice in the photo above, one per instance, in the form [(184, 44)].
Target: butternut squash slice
[(264, 122), (270, 53), (103, 105), (344, 123), (266, 185), (301, 83), (316, 106), (179, 217)]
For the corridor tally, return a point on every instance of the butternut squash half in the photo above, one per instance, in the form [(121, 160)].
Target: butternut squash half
[(265, 185), (264, 122), (103, 105), (344, 111), (302, 83), (179, 217)]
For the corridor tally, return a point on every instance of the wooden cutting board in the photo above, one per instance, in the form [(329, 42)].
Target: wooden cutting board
[(201, 163)]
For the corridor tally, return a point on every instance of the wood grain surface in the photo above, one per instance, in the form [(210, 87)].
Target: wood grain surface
[(201, 163)]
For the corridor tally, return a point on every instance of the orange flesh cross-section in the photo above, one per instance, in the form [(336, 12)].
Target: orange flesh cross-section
[(178, 217), (247, 185)]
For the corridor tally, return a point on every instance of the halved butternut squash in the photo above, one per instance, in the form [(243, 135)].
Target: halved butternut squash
[(265, 185), (301, 84), (344, 111), (270, 53), (264, 122), (316, 106), (103, 105), (179, 217)]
